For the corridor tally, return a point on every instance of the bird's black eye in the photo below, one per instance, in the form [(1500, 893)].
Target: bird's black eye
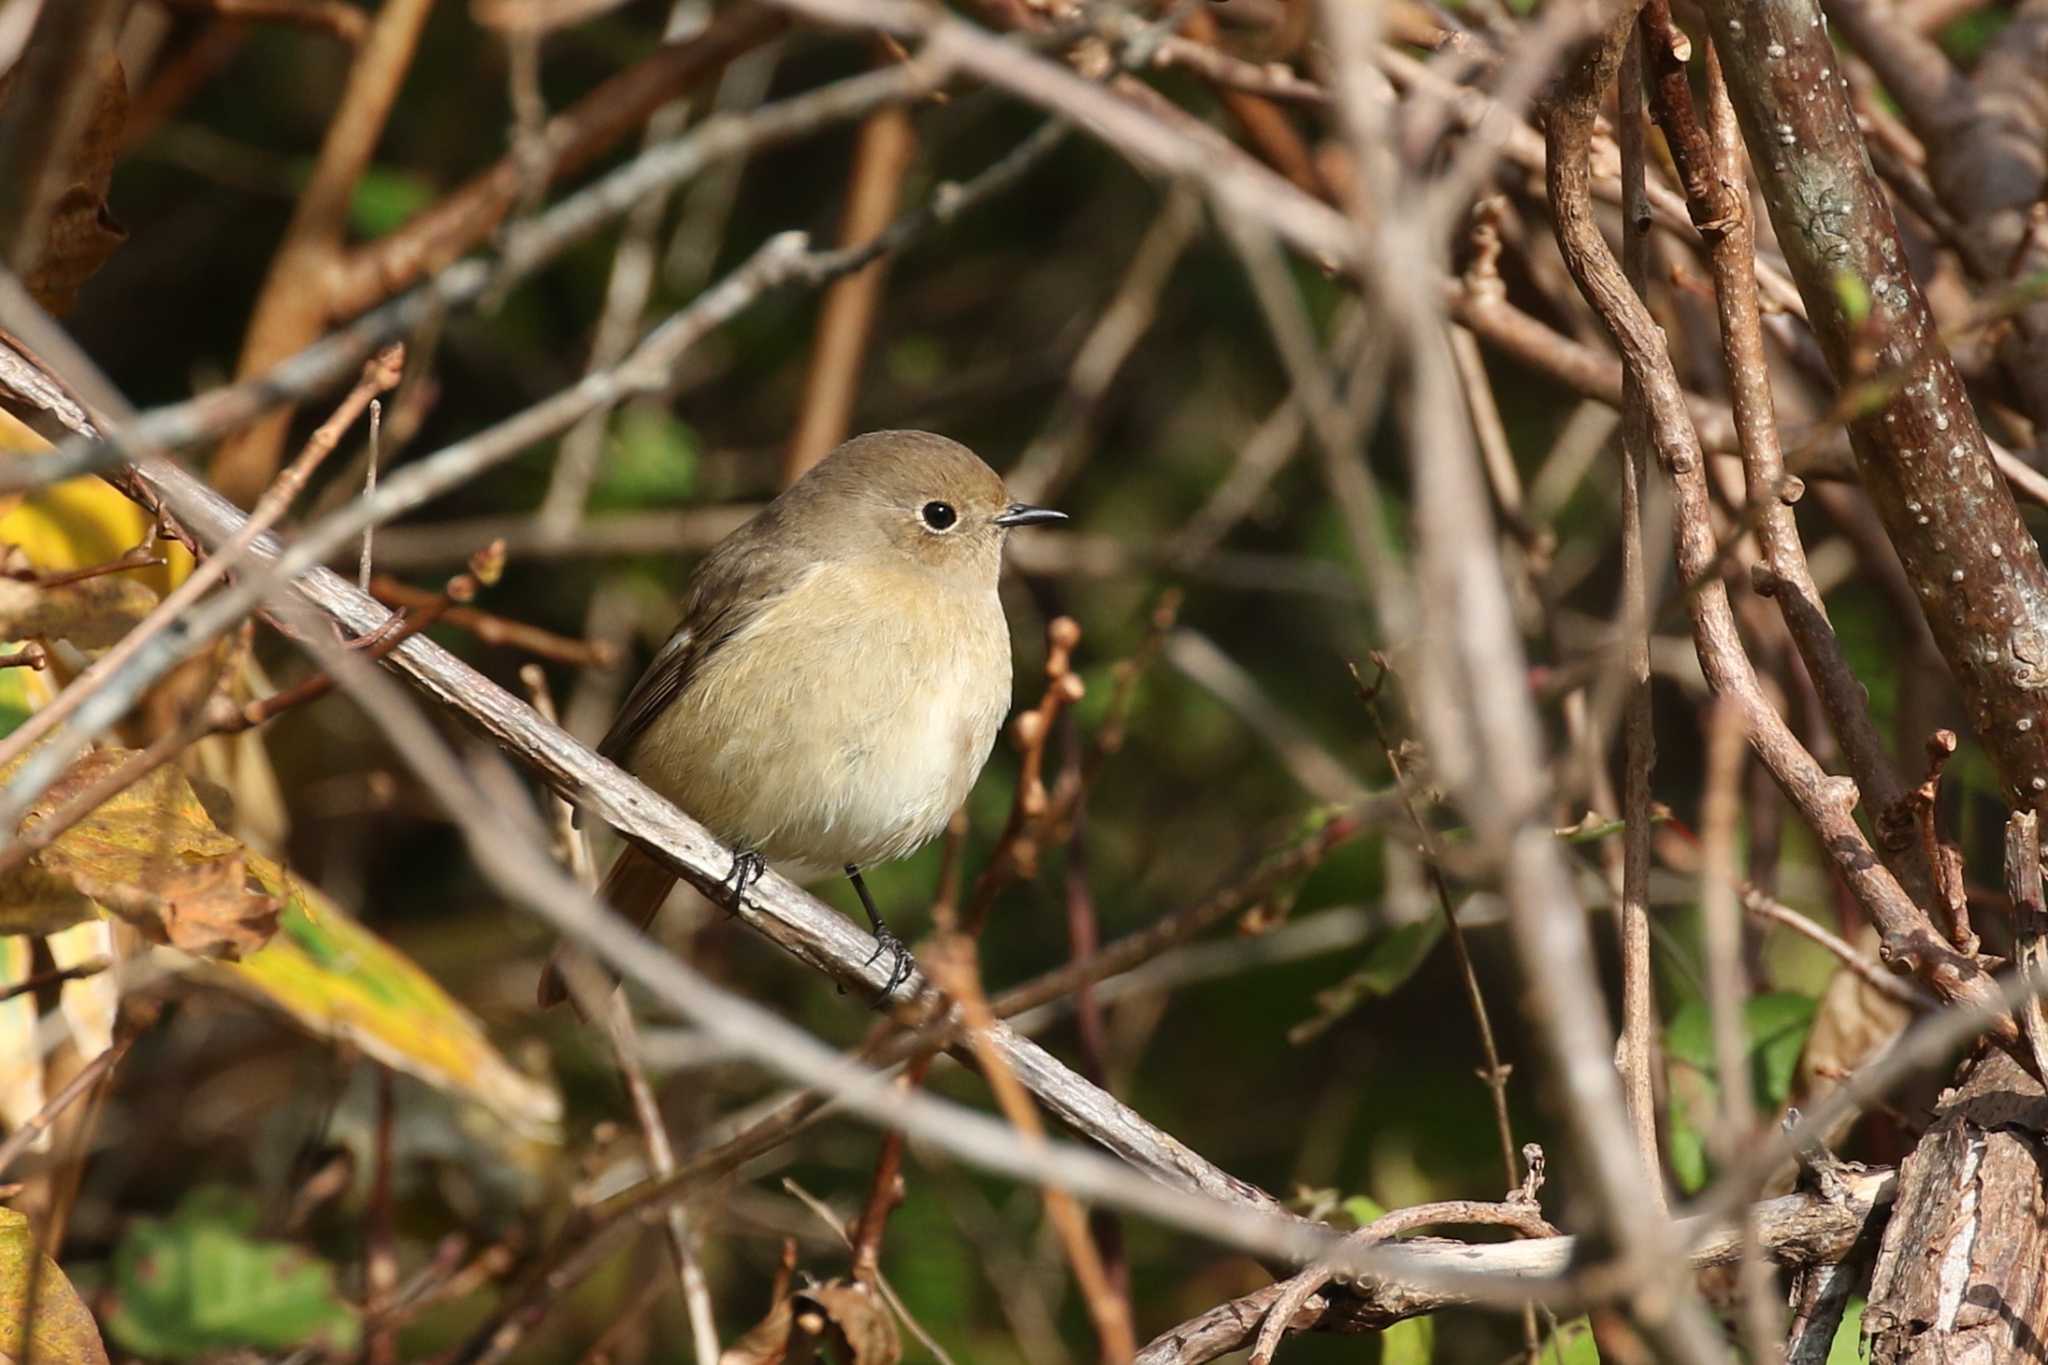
[(940, 516)]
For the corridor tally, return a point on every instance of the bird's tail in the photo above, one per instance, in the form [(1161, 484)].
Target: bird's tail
[(635, 888)]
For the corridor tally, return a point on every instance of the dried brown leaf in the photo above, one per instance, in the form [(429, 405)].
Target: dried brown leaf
[(82, 232), (152, 855), (92, 613), (766, 1342), (859, 1329), (841, 1321)]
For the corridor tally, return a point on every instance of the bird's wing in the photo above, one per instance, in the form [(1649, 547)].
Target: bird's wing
[(740, 580)]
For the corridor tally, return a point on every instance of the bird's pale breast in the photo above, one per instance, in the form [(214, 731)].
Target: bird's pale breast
[(845, 724)]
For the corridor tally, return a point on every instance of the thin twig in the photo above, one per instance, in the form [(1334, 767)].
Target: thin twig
[(881, 159), (1727, 994), (379, 375), (957, 972), (87, 1077), (1825, 802), (597, 999), (370, 490), (1637, 1055)]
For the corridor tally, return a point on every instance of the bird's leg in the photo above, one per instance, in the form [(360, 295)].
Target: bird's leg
[(885, 938), (747, 867)]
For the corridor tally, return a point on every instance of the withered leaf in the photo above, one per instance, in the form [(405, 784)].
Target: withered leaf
[(766, 1342), (151, 855), (82, 233), (842, 1321), (860, 1329), (92, 613)]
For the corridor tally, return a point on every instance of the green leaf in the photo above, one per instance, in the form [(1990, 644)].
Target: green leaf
[(1572, 1344), (61, 1327), (1388, 964), (1774, 1028), (916, 362), (198, 1282), (1361, 1209), (650, 460), (385, 199), (1412, 1341), (15, 702), (1688, 1149), (1966, 37), (1776, 1025), (1848, 1346)]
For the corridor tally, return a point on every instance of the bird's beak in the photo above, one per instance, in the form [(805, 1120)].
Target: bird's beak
[(1024, 514)]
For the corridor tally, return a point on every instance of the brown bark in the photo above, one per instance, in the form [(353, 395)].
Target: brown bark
[(1962, 1274), (1930, 475)]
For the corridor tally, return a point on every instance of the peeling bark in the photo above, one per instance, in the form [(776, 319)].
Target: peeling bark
[(1962, 1275)]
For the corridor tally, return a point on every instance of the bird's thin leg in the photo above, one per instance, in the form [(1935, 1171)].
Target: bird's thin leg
[(747, 867), (885, 938)]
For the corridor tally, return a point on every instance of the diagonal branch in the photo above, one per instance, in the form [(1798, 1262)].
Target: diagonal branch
[(1711, 164), (1827, 803), (1925, 462)]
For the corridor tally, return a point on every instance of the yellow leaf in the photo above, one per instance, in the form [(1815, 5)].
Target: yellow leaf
[(60, 1327), (150, 854), (82, 522), (339, 980)]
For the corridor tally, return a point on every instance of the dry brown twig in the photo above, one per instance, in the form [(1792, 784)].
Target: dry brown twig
[(1494, 1073), (1727, 990), (634, 268), (336, 18), (1636, 1052), (956, 971), (497, 630), (291, 309), (881, 161), (1015, 856), (1475, 712), (313, 281), (1926, 464), (1711, 164), (598, 999), (1518, 1212), (1825, 802), (379, 375)]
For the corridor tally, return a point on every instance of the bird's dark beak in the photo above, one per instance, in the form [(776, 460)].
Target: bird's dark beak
[(1024, 514)]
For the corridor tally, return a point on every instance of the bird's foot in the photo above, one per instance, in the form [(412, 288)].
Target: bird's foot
[(900, 961), (747, 868)]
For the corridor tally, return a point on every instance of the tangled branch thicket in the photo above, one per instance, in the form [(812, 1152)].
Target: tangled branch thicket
[(1519, 831)]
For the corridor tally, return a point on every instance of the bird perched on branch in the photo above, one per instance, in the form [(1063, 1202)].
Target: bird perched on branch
[(837, 679)]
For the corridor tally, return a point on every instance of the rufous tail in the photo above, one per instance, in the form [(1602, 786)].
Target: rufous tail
[(635, 888)]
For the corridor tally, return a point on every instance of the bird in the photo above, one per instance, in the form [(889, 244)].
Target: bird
[(837, 678)]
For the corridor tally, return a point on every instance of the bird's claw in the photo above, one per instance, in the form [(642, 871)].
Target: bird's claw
[(899, 961), (747, 868)]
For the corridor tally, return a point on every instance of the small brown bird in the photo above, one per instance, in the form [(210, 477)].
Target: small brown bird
[(838, 677)]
